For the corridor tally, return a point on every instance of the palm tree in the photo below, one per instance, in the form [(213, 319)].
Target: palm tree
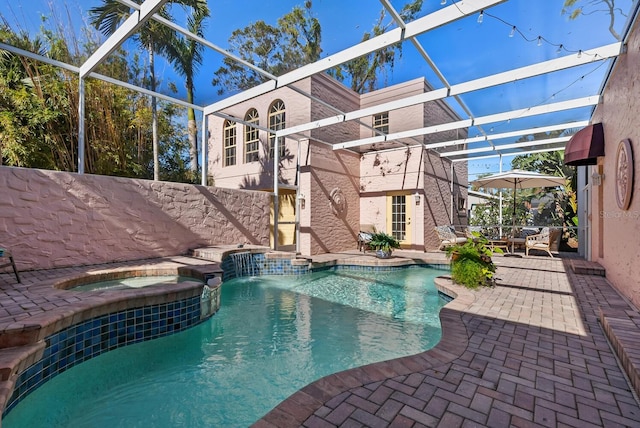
[(186, 55), (152, 37)]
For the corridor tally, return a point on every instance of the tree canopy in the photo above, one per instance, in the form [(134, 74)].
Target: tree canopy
[(577, 8), (39, 111), (364, 73), (292, 43), (296, 41)]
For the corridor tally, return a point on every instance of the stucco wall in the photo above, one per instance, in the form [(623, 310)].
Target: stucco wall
[(428, 174), (54, 219), (257, 175), (336, 95), (324, 230), (437, 184), (615, 243)]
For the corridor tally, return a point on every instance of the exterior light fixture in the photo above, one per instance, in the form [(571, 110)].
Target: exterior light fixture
[(417, 197), (513, 31), (596, 178), (481, 17), (443, 2), (302, 200)]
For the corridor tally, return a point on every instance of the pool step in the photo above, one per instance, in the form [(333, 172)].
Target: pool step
[(219, 252)]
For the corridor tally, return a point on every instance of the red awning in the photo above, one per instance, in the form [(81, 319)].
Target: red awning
[(585, 146)]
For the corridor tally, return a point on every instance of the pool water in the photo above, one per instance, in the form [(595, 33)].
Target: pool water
[(271, 337), (133, 282)]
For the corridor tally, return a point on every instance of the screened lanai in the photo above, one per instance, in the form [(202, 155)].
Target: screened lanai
[(508, 68), (521, 77)]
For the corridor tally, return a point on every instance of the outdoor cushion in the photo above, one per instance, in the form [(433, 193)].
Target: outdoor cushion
[(447, 235), (528, 232)]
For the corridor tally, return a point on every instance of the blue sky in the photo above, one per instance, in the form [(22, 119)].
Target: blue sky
[(463, 50)]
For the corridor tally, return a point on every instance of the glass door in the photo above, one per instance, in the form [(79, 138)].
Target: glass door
[(399, 217)]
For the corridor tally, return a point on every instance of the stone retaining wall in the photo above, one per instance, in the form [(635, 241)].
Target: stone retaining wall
[(57, 219)]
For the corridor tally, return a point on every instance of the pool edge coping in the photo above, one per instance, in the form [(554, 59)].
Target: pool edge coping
[(302, 404)]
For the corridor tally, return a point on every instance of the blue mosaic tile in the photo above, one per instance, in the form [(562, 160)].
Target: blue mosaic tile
[(90, 338)]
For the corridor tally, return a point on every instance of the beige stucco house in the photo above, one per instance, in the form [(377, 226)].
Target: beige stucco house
[(326, 195)]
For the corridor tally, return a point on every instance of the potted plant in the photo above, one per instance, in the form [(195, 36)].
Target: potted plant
[(471, 263), (383, 244)]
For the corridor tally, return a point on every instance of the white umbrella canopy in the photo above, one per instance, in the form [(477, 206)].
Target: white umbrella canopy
[(518, 179)]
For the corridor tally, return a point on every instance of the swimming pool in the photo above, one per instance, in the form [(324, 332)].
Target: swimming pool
[(272, 336)]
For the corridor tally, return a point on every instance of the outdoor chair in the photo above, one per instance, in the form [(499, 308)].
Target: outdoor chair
[(5, 254), (470, 230), (449, 237), (364, 236), (542, 241)]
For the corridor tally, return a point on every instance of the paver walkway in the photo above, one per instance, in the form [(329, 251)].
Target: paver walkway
[(528, 352)]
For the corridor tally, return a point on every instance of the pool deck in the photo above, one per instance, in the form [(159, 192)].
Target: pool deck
[(531, 351)]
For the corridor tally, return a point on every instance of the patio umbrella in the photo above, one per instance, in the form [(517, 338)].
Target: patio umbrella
[(518, 179)]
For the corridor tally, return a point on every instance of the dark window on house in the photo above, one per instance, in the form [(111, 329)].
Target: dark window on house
[(251, 137), (277, 121), (229, 138)]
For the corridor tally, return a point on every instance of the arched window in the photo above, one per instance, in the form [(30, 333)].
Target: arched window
[(277, 121), (251, 138), (229, 138)]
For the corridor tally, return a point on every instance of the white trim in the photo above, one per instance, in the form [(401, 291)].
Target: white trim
[(434, 20), (597, 54), (507, 146), (550, 149), (513, 114), (603, 52), (128, 27), (518, 133)]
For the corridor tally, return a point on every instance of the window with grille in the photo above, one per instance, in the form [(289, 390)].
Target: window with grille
[(251, 137), (277, 121), (381, 122), (229, 138)]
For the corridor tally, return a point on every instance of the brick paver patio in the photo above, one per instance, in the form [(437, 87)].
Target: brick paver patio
[(529, 352)]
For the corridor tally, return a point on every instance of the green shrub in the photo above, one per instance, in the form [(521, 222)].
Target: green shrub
[(471, 263), (383, 241), (468, 273)]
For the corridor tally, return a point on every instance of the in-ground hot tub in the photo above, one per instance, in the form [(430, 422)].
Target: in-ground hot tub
[(135, 282), (136, 279), (105, 319)]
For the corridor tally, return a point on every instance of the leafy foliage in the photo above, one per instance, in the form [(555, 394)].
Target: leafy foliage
[(471, 263), (563, 208), (383, 241), (294, 42), (154, 37), (554, 209), (365, 72), (576, 8), (39, 111)]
